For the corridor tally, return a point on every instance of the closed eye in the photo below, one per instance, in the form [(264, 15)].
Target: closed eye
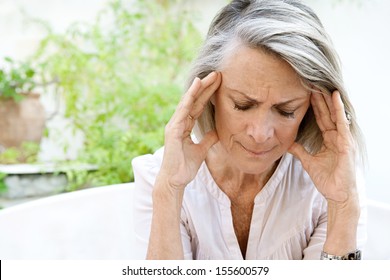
[(243, 106), (287, 114)]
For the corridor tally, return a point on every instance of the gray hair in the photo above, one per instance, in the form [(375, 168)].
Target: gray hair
[(293, 32)]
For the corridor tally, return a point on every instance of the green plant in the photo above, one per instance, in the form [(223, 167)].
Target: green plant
[(3, 186), (27, 153), (16, 79), (121, 78)]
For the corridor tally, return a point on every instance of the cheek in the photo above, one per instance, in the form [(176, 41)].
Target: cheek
[(287, 132), (227, 122)]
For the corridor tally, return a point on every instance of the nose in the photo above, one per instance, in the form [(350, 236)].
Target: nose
[(261, 127)]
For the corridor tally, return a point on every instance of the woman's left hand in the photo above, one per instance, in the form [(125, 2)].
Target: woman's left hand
[(332, 169)]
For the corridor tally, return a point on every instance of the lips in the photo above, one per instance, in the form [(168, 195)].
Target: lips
[(256, 152)]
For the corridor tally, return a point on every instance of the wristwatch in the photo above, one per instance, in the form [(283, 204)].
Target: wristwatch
[(355, 255)]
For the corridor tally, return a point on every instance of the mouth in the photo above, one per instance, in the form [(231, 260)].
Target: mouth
[(257, 153)]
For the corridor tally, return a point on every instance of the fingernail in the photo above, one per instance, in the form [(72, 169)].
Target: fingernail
[(196, 78)]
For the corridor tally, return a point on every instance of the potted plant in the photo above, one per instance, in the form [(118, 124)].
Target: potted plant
[(120, 81), (22, 116)]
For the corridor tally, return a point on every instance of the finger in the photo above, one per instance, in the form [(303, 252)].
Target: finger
[(341, 118), (300, 152), (187, 103), (329, 103), (209, 79), (184, 108), (322, 112), (209, 86), (316, 111)]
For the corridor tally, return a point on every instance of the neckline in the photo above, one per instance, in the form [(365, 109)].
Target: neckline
[(222, 199)]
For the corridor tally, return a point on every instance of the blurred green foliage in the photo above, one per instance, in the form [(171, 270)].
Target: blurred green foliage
[(26, 153), (120, 79), (3, 186), (16, 79)]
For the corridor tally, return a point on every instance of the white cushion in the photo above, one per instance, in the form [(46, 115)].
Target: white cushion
[(93, 224), (378, 242), (97, 224)]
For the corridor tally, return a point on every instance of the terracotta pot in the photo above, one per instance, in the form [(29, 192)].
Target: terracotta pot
[(22, 121)]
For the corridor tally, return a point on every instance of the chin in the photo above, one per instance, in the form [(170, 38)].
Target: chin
[(256, 164), (254, 167), (258, 170)]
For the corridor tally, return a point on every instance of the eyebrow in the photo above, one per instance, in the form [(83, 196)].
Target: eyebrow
[(252, 100)]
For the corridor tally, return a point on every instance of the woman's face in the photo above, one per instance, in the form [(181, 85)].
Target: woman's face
[(258, 108)]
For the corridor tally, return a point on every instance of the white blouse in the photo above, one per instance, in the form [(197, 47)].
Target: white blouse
[(288, 221)]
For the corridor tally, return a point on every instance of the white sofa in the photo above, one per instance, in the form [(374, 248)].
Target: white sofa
[(378, 243), (97, 224), (91, 224)]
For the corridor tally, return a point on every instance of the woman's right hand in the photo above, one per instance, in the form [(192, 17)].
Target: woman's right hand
[(181, 161), (183, 157)]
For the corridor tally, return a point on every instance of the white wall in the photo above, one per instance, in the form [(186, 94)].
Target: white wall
[(359, 31), (19, 39), (361, 35)]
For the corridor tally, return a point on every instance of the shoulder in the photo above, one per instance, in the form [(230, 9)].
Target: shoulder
[(297, 173), (146, 167), (296, 184), (291, 172), (148, 159)]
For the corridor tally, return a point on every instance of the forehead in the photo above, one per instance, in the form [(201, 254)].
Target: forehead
[(255, 72)]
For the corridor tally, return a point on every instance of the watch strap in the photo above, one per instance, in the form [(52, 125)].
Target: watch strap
[(355, 255)]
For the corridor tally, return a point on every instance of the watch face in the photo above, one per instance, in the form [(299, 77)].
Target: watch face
[(357, 255)]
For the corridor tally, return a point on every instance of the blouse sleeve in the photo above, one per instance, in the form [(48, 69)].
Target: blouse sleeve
[(145, 170), (317, 240)]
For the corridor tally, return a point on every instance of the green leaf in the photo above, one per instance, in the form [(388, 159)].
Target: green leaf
[(3, 186), (120, 79)]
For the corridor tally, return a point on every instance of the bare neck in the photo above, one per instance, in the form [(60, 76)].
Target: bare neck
[(231, 179), (241, 188)]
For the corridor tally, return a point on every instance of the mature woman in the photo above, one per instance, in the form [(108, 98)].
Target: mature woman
[(270, 171)]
